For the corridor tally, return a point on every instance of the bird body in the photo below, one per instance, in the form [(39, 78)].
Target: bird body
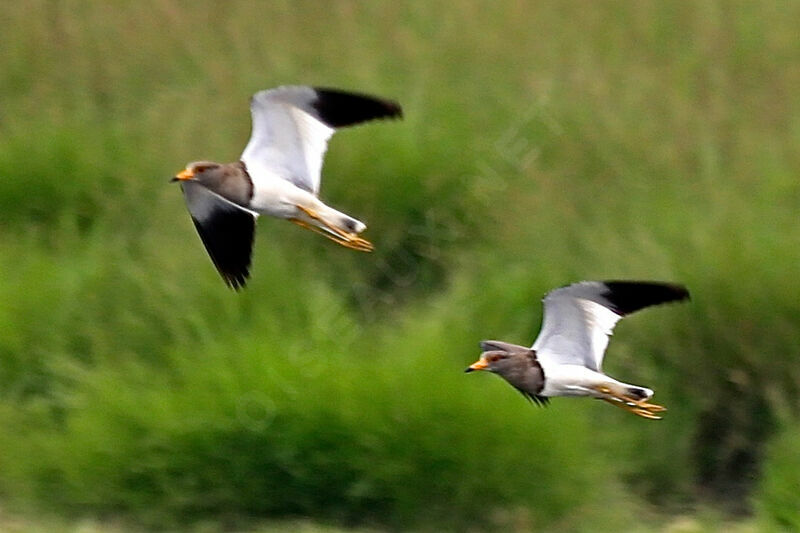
[(577, 380), (279, 174), (566, 359)]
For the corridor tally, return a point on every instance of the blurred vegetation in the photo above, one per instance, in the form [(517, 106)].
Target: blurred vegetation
[(542, 144)]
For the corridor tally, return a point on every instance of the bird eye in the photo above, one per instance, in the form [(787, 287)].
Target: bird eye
[(199, 169)]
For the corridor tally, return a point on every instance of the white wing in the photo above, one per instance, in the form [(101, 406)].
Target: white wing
[(287, 139), (580, 318), (575, 328), (292, 125)]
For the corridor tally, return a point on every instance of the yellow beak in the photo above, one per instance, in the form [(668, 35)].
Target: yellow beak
[(477, 365), (184, 175)]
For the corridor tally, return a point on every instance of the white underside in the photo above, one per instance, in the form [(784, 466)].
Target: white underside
[(280, 198), (577, 380)]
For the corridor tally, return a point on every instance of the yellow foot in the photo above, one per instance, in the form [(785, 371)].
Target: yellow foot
[(308, 211), (632, 405), (346, 239)]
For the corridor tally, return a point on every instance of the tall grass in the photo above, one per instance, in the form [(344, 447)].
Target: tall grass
[(541, 145)]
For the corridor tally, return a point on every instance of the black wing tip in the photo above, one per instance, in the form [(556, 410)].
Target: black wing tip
[(339, 108), (541, 401), (627, 296), (229, 243), (234, 280), (535, 399), (234, 276)]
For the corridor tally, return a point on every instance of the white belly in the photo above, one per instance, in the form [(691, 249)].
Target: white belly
[(573, 380), (279, 198)]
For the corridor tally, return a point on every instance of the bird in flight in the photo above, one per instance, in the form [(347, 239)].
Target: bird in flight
[(278, 174), (567, 357)]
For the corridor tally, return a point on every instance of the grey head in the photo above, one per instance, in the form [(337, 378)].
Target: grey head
[(515, 364), (230, 180), (498, 362)]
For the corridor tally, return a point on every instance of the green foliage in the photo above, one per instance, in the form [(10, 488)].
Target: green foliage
[(777, 498), (542, 144), (269, 423)]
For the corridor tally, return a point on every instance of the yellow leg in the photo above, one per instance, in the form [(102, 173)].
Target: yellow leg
[(632, 405), (346, 239)]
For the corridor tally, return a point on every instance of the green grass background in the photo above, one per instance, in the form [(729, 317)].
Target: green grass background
[(543, 143)]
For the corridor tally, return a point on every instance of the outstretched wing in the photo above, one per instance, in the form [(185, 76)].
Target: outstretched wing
[(502, 346), (226, 230), (292, 125), (580, 318)]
